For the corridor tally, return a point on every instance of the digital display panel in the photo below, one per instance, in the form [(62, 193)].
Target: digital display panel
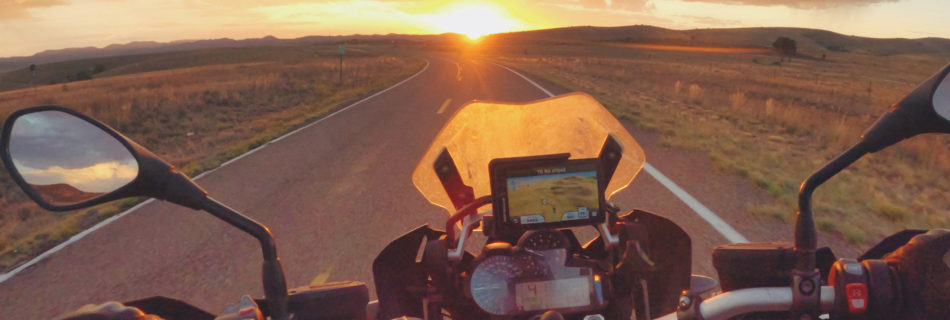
[(553, 294), (552, 194)]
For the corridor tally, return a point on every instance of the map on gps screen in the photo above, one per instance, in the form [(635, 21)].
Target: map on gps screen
[(553, 197)]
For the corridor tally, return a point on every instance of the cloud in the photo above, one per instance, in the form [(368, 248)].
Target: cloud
[(20, 9), (100, 177), (625, 5), (712, 21), (632, 5), (798, 4), (56, 139)]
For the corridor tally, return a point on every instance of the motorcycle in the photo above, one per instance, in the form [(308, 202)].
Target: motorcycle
[(523, 175)]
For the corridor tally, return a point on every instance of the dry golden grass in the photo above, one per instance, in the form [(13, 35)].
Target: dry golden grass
[(774, 123), (195, 117)]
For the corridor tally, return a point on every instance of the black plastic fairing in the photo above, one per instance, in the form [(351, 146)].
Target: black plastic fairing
[(168, 308), (889, 244), (670, 248), (400, 280)]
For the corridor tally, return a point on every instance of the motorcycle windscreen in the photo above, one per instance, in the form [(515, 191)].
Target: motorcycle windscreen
[(481, 131)]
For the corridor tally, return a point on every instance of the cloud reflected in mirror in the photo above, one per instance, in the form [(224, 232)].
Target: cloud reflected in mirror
[(68, 160)]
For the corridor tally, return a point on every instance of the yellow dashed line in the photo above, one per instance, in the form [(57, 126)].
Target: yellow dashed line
[(444, 105), (322, 277)]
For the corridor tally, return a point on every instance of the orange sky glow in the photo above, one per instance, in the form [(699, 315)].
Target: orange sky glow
[(30, 26)]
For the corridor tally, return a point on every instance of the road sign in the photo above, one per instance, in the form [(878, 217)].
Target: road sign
[(341, 64)]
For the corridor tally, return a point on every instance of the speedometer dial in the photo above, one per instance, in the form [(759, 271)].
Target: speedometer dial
[(489, 284)]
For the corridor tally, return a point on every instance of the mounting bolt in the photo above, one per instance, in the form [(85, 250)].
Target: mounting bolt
[(685, 302)]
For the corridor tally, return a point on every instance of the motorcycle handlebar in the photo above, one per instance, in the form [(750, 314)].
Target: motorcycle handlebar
[(743, 301)]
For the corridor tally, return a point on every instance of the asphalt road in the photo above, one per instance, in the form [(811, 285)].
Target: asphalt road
[(333, 195)]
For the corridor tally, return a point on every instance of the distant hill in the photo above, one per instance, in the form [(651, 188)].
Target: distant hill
[(62, 193), (136, 57), (148, 47), (808, 40), (65, 65)]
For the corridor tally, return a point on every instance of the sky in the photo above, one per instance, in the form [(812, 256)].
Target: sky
[(30, 26)]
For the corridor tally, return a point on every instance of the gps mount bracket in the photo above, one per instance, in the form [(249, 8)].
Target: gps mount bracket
[(460, 193), (469, 222), (610, 155)]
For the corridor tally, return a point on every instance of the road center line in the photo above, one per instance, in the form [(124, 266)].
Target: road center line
[(322, 277), (444, 105), (458, 75), (6, 276), (714, 220)]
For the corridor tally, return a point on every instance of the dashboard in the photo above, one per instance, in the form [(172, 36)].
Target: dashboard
[(534, 276)]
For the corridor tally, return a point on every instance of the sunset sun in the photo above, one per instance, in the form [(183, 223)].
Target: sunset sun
[(473, 19)]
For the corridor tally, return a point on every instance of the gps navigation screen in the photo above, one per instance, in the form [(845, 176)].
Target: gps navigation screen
[(552, 194)]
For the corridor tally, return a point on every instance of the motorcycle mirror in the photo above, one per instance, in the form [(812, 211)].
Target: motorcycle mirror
[(64, 160), (925, 110)]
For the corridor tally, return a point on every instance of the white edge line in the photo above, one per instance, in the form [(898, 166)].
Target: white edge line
[(249, 152), (6, 276), (526, 79), (72, 239), (720, 225), (714, 220), (352, 105)]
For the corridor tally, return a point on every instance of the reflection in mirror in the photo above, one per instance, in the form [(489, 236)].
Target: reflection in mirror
[(67, 160), (941, 99)]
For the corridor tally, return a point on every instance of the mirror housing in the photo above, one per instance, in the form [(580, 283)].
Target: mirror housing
[(913, 115), (156, 178)]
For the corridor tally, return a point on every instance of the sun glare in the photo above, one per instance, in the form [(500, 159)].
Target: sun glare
[(473, 19)]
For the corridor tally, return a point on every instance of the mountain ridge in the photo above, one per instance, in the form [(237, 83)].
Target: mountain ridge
[(809, 40)]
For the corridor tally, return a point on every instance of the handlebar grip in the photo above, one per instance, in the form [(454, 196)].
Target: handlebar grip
[(883, 289), (869, 289)]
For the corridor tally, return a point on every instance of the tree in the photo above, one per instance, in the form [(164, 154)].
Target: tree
[(83, 75), (785, 46)]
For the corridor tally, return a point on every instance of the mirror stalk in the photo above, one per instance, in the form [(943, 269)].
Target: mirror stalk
[(805, 277), (176, 187), (806, 237), (892, 127), (275, 285)]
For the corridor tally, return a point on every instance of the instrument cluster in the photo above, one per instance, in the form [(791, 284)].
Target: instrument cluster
[(533, 276)]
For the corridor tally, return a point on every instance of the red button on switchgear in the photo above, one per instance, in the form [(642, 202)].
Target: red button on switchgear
[(857, 295)]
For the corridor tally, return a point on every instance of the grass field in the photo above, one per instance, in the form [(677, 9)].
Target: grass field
[(772, 121), (551, 196), (196, 109)]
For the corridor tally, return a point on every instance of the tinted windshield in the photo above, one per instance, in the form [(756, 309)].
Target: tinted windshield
[(482, 131)]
